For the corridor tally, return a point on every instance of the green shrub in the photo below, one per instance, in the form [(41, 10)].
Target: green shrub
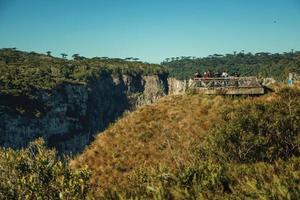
[(208, 179), (199, 180), (259, 130), (36, 173), (279, 181)]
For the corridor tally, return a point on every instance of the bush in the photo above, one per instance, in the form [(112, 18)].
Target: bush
[(36, 173), (279, 181), (199, 180), (259, 130), (208, 179)]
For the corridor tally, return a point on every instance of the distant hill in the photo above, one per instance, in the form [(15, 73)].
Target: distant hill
[(260, 64)]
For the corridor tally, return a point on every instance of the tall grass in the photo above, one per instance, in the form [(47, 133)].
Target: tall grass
[(201, 147)]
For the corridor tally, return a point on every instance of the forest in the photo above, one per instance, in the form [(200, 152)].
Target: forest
[(21, 73), (276, 65)]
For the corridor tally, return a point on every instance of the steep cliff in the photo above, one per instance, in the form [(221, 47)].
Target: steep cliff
[(176, 86), (67, 102), (73, 113)]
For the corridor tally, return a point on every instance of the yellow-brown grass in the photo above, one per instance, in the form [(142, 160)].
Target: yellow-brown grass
[(163, 133), (166, 134)]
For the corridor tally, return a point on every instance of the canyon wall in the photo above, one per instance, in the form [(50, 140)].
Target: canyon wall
[(177, 87), (71, 114)]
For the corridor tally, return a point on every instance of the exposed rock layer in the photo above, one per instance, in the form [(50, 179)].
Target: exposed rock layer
[(70, 115)]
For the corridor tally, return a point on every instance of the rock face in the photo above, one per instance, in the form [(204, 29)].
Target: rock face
[(177, 86), (268, 81), (70, 115)]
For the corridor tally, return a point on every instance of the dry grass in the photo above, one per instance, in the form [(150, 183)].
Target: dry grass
[(163, 133)]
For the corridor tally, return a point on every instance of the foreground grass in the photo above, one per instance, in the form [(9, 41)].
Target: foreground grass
[(37, 173)]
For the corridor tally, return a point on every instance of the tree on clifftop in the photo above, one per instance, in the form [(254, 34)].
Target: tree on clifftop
[(48, 53), (63, 55)]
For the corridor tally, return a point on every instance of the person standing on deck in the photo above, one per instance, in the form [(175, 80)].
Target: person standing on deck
[(225, 76)]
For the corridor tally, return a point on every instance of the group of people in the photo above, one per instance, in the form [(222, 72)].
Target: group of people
[(208, 74)]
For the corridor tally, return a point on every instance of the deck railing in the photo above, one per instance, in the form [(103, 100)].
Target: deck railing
[(230, 82)]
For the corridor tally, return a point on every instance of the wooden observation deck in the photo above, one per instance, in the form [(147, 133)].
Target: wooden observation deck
[(230, 86)]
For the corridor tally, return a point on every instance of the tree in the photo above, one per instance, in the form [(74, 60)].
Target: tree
[(129, 58), (63, 55), (75, 56), (48, 53)]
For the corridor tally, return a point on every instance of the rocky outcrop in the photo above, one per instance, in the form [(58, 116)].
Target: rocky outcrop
[(267, 82), (178, 86), (68, 116)]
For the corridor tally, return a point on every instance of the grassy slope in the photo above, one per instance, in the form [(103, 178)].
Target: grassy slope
[(155, 151), (164, 133)]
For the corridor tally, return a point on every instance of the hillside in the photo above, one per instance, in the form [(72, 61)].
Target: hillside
[(159, 134), (185, 147), (262, 64)]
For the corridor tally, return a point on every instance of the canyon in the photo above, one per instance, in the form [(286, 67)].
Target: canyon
[(71, 114)]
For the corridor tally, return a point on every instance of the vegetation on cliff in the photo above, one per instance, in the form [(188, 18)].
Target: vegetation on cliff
[(26, 79), (37, 173), (23, 73), (197, 147), (244, 64)]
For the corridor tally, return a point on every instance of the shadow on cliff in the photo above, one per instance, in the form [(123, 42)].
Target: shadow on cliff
[(108, 98), (70, 115)]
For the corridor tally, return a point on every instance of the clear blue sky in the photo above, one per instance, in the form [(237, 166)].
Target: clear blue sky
[(150, 29)]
